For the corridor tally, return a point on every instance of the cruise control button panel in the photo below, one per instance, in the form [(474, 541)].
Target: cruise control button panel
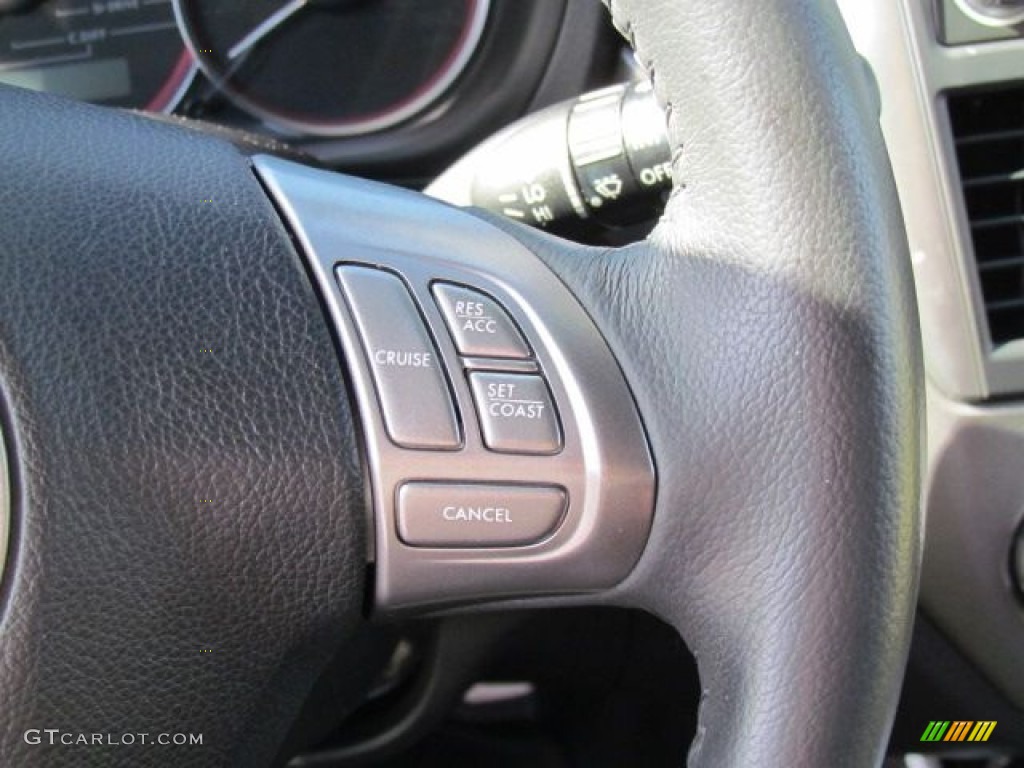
[(407, 370), (468, 515), (517, 414), (503, 451), (478, 324)]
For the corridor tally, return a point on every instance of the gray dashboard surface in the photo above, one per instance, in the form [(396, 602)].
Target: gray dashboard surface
[(974, 498)]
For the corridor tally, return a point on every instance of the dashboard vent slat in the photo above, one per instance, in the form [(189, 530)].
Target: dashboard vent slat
[(991, 181), (1007, 263), (997, 221), (988, 133)]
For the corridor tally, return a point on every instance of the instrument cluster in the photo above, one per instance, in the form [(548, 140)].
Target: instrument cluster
[(295, 68)]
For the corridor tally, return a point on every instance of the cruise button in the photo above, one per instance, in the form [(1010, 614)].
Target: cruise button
[(407, 371), (478, 324), (517, 414), (466, 515)]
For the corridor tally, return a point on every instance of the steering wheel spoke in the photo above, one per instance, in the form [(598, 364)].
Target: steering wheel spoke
[(506, 456)]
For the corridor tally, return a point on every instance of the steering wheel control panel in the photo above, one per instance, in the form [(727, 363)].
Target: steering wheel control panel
[(514, 410), (504, 453)]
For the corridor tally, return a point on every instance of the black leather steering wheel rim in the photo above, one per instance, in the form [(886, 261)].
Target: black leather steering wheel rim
[(188, 506), (781, 244)]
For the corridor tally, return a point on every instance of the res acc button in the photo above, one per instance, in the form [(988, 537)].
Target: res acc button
[(471, 515), (478, 324)]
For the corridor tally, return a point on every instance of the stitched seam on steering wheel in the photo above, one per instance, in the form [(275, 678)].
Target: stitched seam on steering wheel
[(625, 26), (626, 29)]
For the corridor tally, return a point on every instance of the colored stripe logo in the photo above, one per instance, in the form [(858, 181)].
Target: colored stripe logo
[(958, 730)]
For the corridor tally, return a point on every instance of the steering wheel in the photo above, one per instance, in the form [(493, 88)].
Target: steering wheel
[(195, 472)]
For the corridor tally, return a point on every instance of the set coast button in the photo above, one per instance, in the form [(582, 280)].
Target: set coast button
[(407, 372), (516, 412), (471, 515), (479, 325)]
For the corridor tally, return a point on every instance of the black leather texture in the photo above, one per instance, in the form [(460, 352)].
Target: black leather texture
[(768, 329), (189, 538)]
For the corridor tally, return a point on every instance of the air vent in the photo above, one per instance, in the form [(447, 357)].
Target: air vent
[(988, 129)]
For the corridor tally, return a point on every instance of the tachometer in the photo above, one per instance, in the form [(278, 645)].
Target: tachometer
[(125, 53), (332, 67)]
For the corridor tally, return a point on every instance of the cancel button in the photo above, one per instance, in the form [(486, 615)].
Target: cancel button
[(480, 514), (470, 515)]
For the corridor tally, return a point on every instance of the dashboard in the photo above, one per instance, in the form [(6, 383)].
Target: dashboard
[(394, 89)]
